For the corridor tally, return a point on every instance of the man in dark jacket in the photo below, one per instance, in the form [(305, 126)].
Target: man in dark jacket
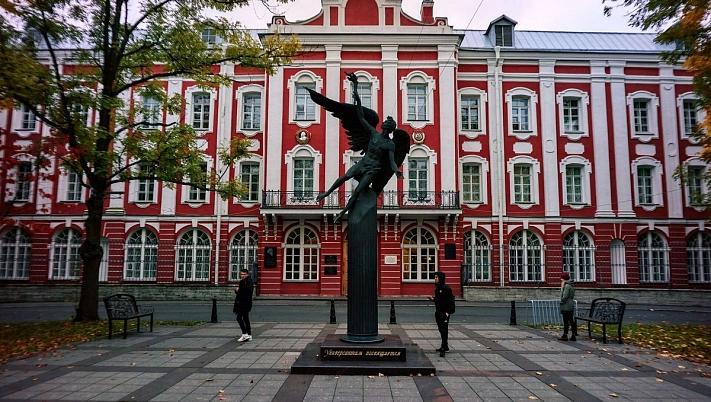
[(567, 306), (444, 307), (243, 304)]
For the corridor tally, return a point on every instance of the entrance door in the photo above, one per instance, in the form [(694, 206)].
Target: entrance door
[(344, 269)]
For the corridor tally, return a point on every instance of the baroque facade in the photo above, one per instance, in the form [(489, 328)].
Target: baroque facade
[(532, 153)]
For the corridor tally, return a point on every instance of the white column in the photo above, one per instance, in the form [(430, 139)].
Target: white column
[(601, 145), (168, 201), (549, 139), (390, 93), (333, 80), (623, 178), (495, 131), (447, 130), (275, 116), (668, 114)]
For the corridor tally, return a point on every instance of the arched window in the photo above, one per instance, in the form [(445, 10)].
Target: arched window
[(141, 256), (579, 256), (698, 257), (477, 253), (243, 252), (301, 255), (525, 257), (419, 255), (193, 256), (15, 247), (66, 261), (653, 257)]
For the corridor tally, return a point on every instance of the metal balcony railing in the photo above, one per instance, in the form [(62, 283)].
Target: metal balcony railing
[(386, 200)]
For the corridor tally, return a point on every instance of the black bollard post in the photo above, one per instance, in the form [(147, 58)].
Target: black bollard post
[(332, 319), (393, 319), (512, 321), (214, 310)]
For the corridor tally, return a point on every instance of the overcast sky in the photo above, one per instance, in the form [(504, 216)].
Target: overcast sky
[(531, 15)]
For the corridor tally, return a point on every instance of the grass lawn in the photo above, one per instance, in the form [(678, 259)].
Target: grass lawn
[(26, 338)]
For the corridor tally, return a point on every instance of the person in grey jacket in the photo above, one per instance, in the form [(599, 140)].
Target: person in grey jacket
[(567, 306)]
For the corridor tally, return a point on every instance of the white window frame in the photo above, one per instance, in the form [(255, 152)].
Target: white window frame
[(208, 36), (652, 253), (418, 77), (69, 256), (27, 121), (535, 172), (477, 253), (422, 274), (363, 77), (151, 121), (657, 186), (194, 251), (134, 188), (503, 35), (243, 246), (186, 188), (699, 269), (585, 183), (521, 92), (64, 185), (145, 250), (583, 103), (189, 113), (577, 254), (420, 152), (484, 173), (698, 164), (23, 187), (700, 115), (298, 152), (652, 115), (300, 248), (471, 91), (303, 78), (528, 251), (15, 254), (240, 95), (253, 160)]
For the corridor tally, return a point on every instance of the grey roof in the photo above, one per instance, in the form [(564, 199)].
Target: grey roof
[(570, 41)]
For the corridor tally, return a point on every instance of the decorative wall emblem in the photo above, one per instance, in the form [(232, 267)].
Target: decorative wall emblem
[(303, 136), (418, 136)]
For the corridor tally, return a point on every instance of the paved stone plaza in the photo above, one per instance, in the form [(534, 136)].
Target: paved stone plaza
[(487, 362)]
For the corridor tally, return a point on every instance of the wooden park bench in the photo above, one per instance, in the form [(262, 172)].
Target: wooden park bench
[(123, 307), (605, 311)]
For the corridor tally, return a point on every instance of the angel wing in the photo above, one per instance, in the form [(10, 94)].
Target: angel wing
[(358, 136), (402, 148)]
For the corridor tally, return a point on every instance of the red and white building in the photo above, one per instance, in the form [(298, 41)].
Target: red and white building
[(532, 153)]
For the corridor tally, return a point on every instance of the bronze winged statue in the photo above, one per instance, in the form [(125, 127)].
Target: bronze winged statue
[(382, 156)]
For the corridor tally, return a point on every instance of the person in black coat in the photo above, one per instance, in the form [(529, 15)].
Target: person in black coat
[(243, 304), (444, 307)]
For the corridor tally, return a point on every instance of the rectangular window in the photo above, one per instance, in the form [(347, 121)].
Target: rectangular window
[(690, 117), (574, 184), (470, 112), (23, 181), (472, 183), (520, 113), (571, 115), (146, 187), (250, 177), (417, 180), (305, 106), (504, 35), (201, 111), (645, 185), (82, 113), (29, 121), (251, 112), (152, 113), (641, 116), (695, 185), (365, 90), (208, 35), (197, 194), (416, 102), (73, 187), (303, 178), (522, 184)]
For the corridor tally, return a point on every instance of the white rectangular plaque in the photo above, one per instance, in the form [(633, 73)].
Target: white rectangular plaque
[(391, 260)]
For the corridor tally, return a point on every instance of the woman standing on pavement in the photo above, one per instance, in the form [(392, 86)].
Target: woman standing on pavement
[(567, 306), (243, 304)]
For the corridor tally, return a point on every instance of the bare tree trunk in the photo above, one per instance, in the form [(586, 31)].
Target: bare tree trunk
[(91, 253)]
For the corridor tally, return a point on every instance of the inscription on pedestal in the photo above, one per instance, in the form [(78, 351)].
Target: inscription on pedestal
[(391, 349)]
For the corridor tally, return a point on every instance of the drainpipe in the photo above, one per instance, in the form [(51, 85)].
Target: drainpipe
[(500, 150)]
